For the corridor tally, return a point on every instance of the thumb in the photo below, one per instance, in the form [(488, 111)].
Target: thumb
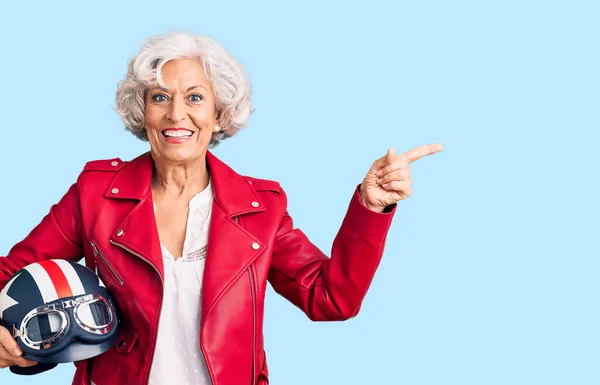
[(385, 160), (390, 157)]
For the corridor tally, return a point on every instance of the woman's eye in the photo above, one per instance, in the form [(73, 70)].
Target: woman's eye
[(196, 98), (159, 98)]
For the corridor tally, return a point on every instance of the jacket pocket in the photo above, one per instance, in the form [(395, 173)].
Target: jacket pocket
[(106, 265), (126, 341), (116, 366)]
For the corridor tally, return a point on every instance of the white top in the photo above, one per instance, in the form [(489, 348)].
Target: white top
[(177, 357)]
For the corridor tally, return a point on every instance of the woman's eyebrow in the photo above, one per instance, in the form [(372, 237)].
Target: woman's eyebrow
[(189, 89), (161, 88), (192, 87)]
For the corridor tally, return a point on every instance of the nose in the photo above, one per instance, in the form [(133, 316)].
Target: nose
[(176, 111)]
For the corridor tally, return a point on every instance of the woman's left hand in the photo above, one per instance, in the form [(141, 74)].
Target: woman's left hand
[(388, 180)]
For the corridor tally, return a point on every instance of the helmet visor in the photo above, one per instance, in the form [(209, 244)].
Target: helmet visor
[(44, 326), (95, 316)]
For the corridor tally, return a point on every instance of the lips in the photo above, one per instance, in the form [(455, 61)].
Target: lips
[(177, 133)]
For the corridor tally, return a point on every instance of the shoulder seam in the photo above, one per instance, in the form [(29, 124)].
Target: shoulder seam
[(263, 184), (113, 165)]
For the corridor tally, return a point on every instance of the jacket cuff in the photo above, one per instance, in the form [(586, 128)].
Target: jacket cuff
[(391, 209), (367, 219)]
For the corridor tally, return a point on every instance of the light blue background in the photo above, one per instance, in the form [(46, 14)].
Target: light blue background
[(490, 275)]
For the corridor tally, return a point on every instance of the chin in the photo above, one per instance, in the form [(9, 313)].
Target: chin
[(179, 155)]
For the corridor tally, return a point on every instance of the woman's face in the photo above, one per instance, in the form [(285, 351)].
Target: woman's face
[(180, 119)]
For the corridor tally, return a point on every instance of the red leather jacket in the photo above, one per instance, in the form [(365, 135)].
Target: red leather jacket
[(108, 217)]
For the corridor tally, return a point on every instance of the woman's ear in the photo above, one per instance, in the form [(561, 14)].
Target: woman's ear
[(218, 124)]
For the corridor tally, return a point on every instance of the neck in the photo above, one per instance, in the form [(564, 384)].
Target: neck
[(180, 179)]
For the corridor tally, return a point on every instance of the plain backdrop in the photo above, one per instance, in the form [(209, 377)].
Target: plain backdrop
[(490, 274)]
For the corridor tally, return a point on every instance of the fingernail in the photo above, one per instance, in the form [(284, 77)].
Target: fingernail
[(18, 352)]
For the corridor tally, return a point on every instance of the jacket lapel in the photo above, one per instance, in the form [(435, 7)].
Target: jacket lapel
[(137, 233), (231, 249)]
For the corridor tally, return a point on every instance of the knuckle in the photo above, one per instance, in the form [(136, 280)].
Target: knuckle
[(6, 339), (8, 344)]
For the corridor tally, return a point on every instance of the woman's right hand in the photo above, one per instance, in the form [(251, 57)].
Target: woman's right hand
[(10, 353)]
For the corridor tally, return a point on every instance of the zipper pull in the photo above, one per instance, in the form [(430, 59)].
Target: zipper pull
[(95, 255), (95, 249)]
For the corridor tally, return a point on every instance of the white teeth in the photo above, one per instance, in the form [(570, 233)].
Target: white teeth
[(177, 133)]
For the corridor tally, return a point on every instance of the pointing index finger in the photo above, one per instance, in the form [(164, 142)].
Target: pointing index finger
[(421, 151)]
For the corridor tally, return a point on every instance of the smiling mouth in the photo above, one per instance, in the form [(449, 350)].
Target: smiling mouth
[(179, 133)]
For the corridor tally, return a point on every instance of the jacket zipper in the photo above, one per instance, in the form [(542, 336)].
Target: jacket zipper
[(110, 267), (153, 343), (252, 294), (253, 322)]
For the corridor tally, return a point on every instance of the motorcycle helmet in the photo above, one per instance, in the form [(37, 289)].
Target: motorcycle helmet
[(58, 311)]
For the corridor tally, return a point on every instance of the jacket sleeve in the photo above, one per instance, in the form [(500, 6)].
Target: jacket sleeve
[(330, 289), (58, 235)]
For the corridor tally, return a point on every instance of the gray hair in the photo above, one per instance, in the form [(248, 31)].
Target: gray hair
[(226, 75)]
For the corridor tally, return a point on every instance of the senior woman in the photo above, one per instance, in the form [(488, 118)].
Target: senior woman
[(186, 245)]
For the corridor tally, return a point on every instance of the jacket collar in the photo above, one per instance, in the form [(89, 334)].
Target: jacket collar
[(233, 193)]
